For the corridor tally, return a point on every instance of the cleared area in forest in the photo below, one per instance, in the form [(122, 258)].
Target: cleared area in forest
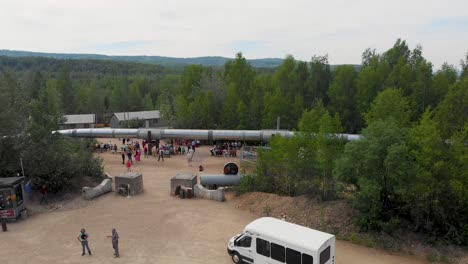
[(154, 227)]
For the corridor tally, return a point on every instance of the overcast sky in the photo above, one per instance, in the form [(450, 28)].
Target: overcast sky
[(343, 29)]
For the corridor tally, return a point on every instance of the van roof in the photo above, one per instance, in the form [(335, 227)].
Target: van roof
[(290, 233)]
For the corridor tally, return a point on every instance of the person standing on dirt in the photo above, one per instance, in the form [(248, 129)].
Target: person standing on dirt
[(129, 166), (115, 242), (123, 157), (83, 238), (43, 195), (161, 153), (129, 155)]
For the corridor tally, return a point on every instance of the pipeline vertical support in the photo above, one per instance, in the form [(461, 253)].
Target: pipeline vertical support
[(148, 141)]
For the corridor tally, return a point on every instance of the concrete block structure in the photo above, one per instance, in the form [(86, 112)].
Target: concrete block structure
[(185, 179), (202, 192), (132, 180), (89, 193)]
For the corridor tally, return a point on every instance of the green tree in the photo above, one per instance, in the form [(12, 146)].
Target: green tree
[(341, 94), (286, 78), (442, 80), (181, 112), (65, 87), (135, 102), (367, 87), (148, 102), (428, 184), (190, 81), (239, 73), (310, 120), (255, 106), (457, 208), (375, 165), (452, 113), (242, 112), (230, 117), (423, 94), (12, 110), (34, 84), (320, 77), (13, 119), (49, 158), (329, 148), (389, 104), (273, 108), (464, 67)]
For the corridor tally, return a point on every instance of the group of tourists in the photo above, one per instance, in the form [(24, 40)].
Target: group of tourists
[(227, 149), (131, 151), (101, 146)]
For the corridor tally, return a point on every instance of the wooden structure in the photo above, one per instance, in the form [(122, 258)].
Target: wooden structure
[(11, 197)]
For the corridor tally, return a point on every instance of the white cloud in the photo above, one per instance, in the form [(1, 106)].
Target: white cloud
[(187, 28)]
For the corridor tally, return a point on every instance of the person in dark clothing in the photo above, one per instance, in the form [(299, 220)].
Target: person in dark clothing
[(115, 242), (123, 158), (43, 195), (129, 155), (161, 154)]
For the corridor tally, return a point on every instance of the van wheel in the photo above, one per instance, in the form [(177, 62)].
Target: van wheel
[(236, 258)]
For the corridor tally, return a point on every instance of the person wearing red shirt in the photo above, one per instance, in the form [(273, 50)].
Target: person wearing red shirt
[(43, 195)]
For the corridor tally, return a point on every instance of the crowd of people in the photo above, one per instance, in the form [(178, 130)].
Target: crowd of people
[(226, 149), (133, 150)]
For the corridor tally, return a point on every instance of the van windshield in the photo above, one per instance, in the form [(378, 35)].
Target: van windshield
[(243, 241)]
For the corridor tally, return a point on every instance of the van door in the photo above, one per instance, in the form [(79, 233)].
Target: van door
[(262, 251), (244, 247)]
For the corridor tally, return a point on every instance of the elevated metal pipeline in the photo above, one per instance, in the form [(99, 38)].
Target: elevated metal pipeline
[(195, 134)]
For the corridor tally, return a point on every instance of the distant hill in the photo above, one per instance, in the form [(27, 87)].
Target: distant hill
[(158, 60)]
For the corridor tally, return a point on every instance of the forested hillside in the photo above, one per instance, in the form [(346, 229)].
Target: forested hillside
[(215, 61), (411, 167)]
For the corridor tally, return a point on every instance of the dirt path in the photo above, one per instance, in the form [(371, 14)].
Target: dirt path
[(153, 227)]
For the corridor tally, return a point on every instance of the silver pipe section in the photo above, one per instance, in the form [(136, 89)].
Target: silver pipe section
[(193, 134), (220, 180)]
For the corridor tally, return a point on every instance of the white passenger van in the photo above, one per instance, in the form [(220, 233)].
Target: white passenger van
[(269, 240)]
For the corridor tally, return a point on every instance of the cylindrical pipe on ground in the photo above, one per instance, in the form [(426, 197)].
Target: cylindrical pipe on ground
[(220, 180)]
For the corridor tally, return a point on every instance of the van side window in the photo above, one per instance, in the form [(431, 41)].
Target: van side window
[(277, 252), (325, 255), (263, 247), (307, 259), (293, 256), (246, 241)]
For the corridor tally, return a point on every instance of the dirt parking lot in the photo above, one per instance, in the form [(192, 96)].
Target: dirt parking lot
[(154, 227)]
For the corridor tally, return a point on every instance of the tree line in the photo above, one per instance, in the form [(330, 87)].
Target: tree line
[(411, 166)]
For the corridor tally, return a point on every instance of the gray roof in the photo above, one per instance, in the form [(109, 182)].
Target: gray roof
[(79, 119), (142, 115), (10, 180)]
